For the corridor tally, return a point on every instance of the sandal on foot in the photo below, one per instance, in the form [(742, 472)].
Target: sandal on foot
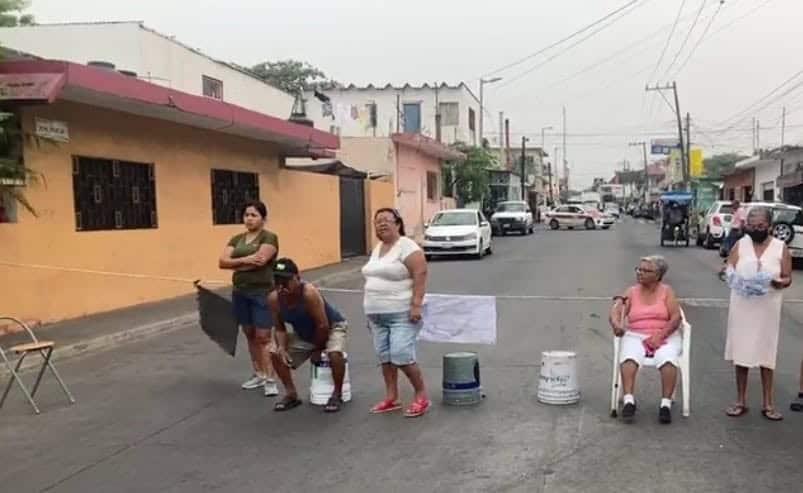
[(418, 408), (287, 404), (772, 414), (386, 406), (736, 410), (333, 404)]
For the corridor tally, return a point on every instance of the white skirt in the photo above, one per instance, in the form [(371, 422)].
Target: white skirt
[(633, 349)]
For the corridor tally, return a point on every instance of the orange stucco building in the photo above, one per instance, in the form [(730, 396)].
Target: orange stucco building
[(140, 189)]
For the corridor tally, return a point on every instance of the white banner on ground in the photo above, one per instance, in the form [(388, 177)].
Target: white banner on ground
[(459, 319)]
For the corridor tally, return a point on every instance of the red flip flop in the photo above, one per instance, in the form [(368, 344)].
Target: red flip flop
[(418, 408), (386, 406)]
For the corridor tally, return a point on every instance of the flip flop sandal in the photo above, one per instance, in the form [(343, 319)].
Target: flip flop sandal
[(736, 410), (386, 406), (417, 408), (772, 414), (333, 404), (286, 404)]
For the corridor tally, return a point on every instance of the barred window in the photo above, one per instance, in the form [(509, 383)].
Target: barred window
[(230, 192), (110, 194)]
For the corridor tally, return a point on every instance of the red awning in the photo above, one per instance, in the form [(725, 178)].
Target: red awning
[(428, 146), (45, 81)]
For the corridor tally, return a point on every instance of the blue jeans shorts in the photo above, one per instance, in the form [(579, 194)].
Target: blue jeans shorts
[(394, 337), (251, 309)]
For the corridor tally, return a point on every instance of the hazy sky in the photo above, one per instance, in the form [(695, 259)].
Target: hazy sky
[(417, 41)]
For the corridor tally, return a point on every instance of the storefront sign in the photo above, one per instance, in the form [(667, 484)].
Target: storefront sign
[(53, 130)]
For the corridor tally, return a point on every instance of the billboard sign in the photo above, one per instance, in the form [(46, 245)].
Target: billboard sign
[(663, 146)]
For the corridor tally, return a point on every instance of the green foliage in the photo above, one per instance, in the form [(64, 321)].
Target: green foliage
[(716, 165), (13, 173), (291, 76), (11, 13), (469, 179)]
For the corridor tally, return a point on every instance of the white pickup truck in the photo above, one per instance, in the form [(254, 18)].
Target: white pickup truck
[(514, 215)]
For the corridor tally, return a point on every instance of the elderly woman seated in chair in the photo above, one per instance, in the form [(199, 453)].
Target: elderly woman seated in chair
[(647, 317)]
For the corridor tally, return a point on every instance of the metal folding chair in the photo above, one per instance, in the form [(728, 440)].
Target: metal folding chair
[(45, 350), (684, 366)]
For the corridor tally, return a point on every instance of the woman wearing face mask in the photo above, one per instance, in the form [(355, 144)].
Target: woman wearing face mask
[(758, 269)]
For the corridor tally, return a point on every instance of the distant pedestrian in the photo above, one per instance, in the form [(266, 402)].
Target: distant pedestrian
[(316, 327), (797, 404), (251, 255), (395, 283), (758, 269), (647, 317), (738, 221)]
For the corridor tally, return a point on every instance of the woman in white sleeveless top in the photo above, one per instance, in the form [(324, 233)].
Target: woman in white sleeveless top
[(754, 319)]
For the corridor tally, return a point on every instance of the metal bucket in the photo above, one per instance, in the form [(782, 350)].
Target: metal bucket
[(461, 379), (321, 383), (557, 384)]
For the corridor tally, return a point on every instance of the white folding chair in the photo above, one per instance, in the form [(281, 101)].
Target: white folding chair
[(684, 366), (45, 350)]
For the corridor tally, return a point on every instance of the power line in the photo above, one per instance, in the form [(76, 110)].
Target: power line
[(700, 39), (565, 50), (563, 40), (686, 39), (751, 107), (669, 39)]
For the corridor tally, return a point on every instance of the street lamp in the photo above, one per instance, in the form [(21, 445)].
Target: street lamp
[(482, 114)]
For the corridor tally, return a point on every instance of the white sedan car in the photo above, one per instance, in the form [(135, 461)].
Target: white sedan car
[(458, 232), (575, 216)]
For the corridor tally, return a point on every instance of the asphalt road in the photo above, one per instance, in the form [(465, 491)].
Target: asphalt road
[(167, 414)]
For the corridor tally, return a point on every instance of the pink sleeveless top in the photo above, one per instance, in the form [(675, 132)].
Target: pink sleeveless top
[(648, 319)]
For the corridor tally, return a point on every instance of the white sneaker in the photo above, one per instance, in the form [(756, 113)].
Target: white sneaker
[(253, 383), (271, 389)]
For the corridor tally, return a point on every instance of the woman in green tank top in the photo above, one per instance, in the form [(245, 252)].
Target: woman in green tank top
[(252, 255)]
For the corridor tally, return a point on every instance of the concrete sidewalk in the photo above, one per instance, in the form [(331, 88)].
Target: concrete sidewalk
[(81, 336)]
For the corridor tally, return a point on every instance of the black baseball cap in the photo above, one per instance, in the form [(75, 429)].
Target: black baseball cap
[(285, 268)]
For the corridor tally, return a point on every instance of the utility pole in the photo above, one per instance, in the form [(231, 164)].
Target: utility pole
[(783, 125), (643, 145), (437, 115), (754, 135), (563, 155), (688, 144), (551, 195), (758, 136), (684, 159), (482, 101), (524, 141)]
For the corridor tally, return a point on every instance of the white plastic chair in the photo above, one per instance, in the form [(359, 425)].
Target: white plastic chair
[(684, 366)]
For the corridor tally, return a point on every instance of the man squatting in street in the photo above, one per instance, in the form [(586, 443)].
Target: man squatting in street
[(316, 327)]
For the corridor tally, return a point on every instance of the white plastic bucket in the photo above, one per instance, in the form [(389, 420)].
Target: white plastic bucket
[(557, 384), (322, 385)]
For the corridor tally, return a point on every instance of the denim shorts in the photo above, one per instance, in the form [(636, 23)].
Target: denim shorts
[(394, 337), (251, 309)]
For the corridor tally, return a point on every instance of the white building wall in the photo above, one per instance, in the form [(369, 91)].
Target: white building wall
[(153, 56), (351, 115), (766, 177)]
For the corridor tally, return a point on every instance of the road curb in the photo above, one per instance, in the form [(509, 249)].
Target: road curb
[(110, 341)]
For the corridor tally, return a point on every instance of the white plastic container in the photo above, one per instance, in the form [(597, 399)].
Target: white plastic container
[(557, 384), (322, 385)]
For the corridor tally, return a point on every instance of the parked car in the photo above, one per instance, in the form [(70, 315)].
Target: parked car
[(715, 224), (514, 215), (574, 216), (787, 226), (458, 232), (613, 210)]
